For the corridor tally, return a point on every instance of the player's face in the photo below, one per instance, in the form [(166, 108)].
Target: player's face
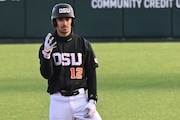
[(64, 26)]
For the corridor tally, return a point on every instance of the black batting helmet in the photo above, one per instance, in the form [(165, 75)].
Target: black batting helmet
[(62, 10)]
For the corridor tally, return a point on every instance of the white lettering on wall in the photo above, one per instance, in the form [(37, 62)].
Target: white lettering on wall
[(108, 4), (178, 3)]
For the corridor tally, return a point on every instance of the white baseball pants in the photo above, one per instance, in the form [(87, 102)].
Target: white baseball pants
[(69, 108)]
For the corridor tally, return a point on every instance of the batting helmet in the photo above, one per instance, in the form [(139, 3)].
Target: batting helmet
[(62, 10)]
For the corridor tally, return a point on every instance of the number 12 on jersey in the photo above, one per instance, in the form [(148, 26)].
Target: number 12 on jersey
[(76, 73)]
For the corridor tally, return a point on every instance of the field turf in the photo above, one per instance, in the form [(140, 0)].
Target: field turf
[(136, 81)]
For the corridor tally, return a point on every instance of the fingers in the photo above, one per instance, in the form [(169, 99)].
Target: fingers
[(49, 45), (89, 113), (53, 45), (49, 35), (49, 40), (84, 108), (86, 115)]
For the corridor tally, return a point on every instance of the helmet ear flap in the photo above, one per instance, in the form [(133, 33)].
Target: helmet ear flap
[(73, 22), (54, 22)]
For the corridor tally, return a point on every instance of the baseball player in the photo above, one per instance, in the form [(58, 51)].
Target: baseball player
[(69, 63)]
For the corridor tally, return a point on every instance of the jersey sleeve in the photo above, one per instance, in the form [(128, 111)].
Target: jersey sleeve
[(91, 60)]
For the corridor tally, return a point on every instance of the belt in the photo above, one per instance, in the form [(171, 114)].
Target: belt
[(71, 93)]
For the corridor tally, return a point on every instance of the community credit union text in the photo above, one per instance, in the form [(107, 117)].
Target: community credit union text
[(100, 4)]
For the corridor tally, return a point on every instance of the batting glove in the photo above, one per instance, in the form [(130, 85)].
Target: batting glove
[(48, 46), (90, 108)]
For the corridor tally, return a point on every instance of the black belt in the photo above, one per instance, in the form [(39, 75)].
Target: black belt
[(69, 93)]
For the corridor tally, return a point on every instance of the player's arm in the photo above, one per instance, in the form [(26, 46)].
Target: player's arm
[(45, 65), (92, 84), (91, 65), (45, 56), (92, 93)]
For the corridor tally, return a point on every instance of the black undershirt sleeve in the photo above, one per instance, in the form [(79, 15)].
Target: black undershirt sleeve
[(92, 84)]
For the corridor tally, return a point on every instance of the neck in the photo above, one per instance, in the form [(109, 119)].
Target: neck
[(63, 39)]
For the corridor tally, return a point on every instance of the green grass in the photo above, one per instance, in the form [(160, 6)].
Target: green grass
[(136, 81)]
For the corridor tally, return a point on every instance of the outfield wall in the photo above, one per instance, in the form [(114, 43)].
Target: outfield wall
[(113, 19)]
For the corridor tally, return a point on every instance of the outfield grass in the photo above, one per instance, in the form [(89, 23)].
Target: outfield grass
[(136, 81)]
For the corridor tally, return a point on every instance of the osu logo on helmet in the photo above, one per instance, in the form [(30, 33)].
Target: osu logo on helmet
[(64, 10)]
